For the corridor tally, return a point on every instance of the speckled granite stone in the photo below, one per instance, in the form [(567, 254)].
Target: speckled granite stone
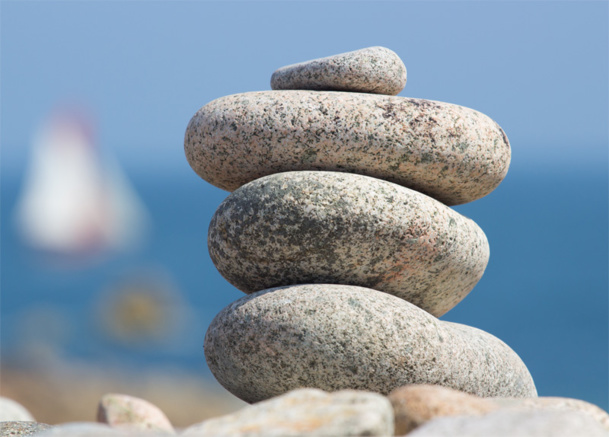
[(449, 152), (513, 423), (371, 70), (341, 228), (336, 337), (131, 413), (21, 428), (306, 412)]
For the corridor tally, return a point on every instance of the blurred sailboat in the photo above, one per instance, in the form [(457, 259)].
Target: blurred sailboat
[(76, 204)]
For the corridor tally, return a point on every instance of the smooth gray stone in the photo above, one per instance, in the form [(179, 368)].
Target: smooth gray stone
[(340, 228), (451, 153), (305, 412), (21, 428), (371, 70), (514, 423), (336, 337)]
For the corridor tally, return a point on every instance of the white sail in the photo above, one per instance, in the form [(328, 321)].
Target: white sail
[(73, 202)]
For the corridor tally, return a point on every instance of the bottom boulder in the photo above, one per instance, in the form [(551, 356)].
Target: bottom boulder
[(336, 337)]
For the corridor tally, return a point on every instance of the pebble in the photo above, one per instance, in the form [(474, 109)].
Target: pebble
[(21, 428), (510, 423), (558, 404), (340, 228), (335, 337), (306, 412), (371, 70), (83, 429), (414, 405), (128, 412), (451, 153), (12, 411)]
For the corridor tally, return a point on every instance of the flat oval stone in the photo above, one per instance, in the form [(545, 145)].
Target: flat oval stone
[(448, 152), (336, 337), (341, 228), (371, 70)]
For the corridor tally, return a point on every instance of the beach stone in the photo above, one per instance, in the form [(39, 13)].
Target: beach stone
[(557, 404), (128, 412), (335, 337), (83, 429), (448, 152), (21, 428), (370, 70), (12, 411), (340, 228), (306, 412), (414, 405), (510, 423)]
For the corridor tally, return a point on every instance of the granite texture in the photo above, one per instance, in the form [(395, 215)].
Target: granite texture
[(371, 70), (336, 337), (513, 423), (12, 411), (131, 413), (340, 228), (306, 412), (21, 428), (449, 152), (416, 404)]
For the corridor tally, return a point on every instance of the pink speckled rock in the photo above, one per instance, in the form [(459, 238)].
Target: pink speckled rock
[(336, 337), (131, 413), (341, 228), (448, 152), (305, 412), (371, 70)]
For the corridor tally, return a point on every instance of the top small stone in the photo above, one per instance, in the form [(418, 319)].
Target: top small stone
[(375, 70)]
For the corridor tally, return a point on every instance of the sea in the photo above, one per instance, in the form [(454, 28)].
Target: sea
[(544, 293)]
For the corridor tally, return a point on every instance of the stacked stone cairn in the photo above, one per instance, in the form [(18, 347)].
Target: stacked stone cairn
[(338, 230)]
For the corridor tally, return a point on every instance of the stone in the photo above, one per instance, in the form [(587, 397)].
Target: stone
[(83, 429), (451, 153), (21, 428), (414, 405), (12, 411), (557, 404), (306, 412), (340, 228), (336, 337), (128, 412), (510, 423), (371, 70)]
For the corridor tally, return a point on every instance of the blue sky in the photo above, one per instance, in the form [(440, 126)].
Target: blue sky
[(539, 69)]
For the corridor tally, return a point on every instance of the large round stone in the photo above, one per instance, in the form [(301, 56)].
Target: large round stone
[(449, 152), (340, 228), (371, 70), (336, 337)]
